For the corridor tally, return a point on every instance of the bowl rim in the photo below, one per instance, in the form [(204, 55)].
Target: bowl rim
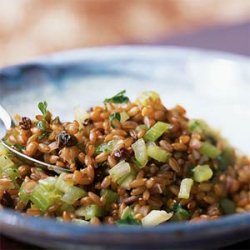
[(50, 226), (124, 52), (10, 219)]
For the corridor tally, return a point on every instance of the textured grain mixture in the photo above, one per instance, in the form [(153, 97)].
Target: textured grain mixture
[(129, 163)]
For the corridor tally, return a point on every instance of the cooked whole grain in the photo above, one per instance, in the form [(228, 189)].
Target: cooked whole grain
[(82, 147)]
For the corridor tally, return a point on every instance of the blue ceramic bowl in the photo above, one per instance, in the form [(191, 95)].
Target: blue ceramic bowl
[(212, 85)]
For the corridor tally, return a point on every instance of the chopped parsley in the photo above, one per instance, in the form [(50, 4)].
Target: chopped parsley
[(41, 125), (43, 107), (118, 98), (114, 116)]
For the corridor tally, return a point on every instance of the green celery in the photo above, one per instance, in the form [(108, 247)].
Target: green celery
[(185, 188), (80, 222), (125, 183), (42, 198), (61, 184), (120, 171), (209, 150), (89, 212), (202, 173), (141, 127), (156, 131), (110, 196), (124, 116), (157, 153), (107, 147), (127, 212), (72, 194), (8, 168), (140, 150), (48, 183), (3, 150)]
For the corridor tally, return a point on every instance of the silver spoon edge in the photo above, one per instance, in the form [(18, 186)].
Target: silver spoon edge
[(41, 164)]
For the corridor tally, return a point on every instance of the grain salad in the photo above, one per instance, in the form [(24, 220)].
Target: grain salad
[(130, 163)]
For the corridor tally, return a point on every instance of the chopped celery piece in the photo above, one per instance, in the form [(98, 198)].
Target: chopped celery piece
[(157, 153), (124, 116), (93, 211), (180, 214), (8, 168), (146, 96), (127, 217), (228, 206), (61, 184), (156, 131), (26, 189), (109, 195), (11, 172), (185, 188), (80, 211), (141, 127), (24, 196), (156, 217), (126, 213), (202, 173), (226, 158), (197, 126), (107, 147), (79, 221), (72, 194), (140, 150), (89, 212), (120, 171), (209, 150), (3, 150), (5, 162), (48, 183), (125, 183), (42, 198)]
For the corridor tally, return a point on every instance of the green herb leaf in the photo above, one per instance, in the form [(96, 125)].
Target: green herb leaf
[(118, 98), (45, 134), (107, 147), (114, 116), (130, 220), (41, 125), (43, 107), (180, 214)]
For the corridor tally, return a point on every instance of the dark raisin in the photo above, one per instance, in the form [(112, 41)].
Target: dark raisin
[(122, 154), (87, 122), (101, 172), (25, 123), (6, 200), (66, 140)]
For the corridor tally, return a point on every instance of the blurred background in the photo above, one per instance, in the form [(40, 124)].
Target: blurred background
[(29, 28)]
